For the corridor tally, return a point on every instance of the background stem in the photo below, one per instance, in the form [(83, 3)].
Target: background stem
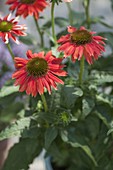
[(70, 13), (86, 6), (40, 32), (53, 22), (10, 50)]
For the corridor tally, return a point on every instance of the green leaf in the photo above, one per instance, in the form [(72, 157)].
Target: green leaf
[(78, 91), (87, 105), (7, 90), (99, 19), (86, 149), (109, 36), (104, 98), (112, 4), (61, 22), (111, 128), (22, 154), (50, 134), (69, 94), (104, 64), (101, 77), (16, 128), (28, 40), (110, 131), (104, 120)]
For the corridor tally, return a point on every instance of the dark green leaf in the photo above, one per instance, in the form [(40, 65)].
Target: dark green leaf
[(50, 134), (22, 154), (85, 148), (69, 94)]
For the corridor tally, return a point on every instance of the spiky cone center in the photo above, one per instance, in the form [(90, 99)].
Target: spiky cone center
[(37, 67), (81, 37), (27, 1), (5, 26)]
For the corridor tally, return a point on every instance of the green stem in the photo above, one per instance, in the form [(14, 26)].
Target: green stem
[(44, 102), (40, 32), (81, 70), (53, 22), (86, 5), (10, 50), (70, 13)]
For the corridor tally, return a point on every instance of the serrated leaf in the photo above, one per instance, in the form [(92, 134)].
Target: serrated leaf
[(7, 90), (22, 154), (50, 134), (16, 128)]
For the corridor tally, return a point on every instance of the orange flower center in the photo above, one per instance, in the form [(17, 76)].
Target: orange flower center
[(81, 37), (5, 26), (37, 67), (27, 1)]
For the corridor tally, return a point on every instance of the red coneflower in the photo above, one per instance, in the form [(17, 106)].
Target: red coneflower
[(27, 7), (81, 42), (38, 72), (9, 28)]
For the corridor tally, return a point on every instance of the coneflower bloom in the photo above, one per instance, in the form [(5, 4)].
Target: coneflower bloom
[(27, 7), (9, 28), (37, 72), (81, 42)]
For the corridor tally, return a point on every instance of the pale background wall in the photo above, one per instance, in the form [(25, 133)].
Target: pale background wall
[(98, 7)]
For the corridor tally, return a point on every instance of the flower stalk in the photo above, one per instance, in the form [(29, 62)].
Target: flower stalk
[(81, 70), (86, 6), (44, 102), (39, 32), (53, 22), (70, 13), (10, 50)]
